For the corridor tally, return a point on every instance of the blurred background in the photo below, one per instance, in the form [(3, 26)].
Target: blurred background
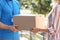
[(34, 7)]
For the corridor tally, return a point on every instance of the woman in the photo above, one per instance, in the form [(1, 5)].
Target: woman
[(8, 8), (54, 23)]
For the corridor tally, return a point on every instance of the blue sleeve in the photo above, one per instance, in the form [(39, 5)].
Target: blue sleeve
[(16, 7), (0, 11)]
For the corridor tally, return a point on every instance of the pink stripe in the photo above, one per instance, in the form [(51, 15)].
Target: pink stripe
[(55, 12), (57, 27)]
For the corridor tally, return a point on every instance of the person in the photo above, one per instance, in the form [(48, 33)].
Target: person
[(8, 30), (53, 23), (51, 26)]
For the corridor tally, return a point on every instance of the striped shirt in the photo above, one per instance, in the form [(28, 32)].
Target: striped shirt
[(54, 23)]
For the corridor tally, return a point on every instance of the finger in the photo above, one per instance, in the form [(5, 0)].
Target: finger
[(34, 31), (16, 26), (15, 30)]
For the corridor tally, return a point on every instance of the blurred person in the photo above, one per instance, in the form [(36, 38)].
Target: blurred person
[(53, 23), (8, 8)]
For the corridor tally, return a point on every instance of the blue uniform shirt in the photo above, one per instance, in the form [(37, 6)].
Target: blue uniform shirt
[(8, 8)]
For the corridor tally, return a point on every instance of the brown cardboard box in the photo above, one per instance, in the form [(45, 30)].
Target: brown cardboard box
[(29, 22)]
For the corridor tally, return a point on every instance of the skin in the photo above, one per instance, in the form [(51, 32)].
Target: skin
[(35, 30), (58, 1), (55, 1), (12, 28)]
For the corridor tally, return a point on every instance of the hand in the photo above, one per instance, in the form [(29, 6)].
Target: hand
[(14, 28), (35, 30), (17, 27)]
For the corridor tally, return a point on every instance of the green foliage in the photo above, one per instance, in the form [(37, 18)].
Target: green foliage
[(37, 6)]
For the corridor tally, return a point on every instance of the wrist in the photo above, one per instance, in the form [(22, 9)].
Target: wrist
[(9, 27)]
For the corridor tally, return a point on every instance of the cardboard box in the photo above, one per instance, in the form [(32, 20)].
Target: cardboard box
[(29, 22)]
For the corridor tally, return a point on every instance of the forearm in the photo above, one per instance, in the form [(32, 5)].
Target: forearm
[(44, 30), (3, 26)]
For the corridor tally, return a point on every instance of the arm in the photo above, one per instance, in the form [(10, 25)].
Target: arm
[(12, 28), (51, 20), (35, 30), (44, 30), (3, 26)]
